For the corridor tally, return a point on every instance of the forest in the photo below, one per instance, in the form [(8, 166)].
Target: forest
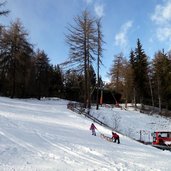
[(26, 72)]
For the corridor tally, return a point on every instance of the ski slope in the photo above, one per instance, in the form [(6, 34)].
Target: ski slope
[(130, 122), (46, 136)]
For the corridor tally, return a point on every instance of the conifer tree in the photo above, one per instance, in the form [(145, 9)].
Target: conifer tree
[(42, 69), (162, 78), (141, 73), (133, 78), (16, 54)]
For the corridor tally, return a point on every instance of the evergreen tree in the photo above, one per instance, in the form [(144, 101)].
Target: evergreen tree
[(73, 83), (42, 69), (16, 53), (151, 83), (140, 67), (133, 71), (56, 81), (162, 78)]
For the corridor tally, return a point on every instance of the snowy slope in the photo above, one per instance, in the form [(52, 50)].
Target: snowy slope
[(46, 136), (130, 122)]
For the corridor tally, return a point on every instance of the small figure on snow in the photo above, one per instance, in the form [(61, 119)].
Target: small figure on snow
[(92, 128), (115, 137)]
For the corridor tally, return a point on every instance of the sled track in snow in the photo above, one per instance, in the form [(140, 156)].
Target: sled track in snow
[(81, 157)]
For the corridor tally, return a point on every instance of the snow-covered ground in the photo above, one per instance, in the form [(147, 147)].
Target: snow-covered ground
[(46, 136), (133, 123)]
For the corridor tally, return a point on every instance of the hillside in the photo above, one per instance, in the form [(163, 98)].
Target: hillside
[(130, 122), (46, 136)]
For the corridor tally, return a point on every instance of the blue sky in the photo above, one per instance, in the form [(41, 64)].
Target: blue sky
[(123, 21)]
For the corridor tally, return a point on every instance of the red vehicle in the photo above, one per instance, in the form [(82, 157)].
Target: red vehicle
[(162, 140)]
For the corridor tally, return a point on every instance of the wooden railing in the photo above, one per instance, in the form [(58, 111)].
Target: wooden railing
[(78, 108)]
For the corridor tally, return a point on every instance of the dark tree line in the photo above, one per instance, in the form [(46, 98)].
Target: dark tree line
[(26, 72), (140, 80)]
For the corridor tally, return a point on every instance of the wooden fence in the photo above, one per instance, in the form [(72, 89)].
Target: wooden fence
[(78, 108)]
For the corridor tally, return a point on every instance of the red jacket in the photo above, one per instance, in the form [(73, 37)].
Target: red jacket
[(114, 135)]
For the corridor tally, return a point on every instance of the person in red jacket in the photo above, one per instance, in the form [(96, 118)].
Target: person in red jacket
[(92, 128), (115, 137)]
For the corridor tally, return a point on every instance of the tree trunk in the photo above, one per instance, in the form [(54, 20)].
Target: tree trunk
[(159, 95)]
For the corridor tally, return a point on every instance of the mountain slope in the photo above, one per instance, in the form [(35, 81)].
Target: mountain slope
[(46, 136)]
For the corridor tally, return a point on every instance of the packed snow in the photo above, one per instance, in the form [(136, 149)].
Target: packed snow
[(132, 123), (46, 136)]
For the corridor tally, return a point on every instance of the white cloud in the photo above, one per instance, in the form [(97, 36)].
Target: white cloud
[(88, 1), (127, 26), (121, 38), (162, 19), (162, 14), (99, 10), (164, 33)]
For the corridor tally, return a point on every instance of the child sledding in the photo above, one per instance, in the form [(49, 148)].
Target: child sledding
[(93, 128), (115, 137)]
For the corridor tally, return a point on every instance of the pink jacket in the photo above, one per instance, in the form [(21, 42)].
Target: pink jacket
[(92, 127)]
